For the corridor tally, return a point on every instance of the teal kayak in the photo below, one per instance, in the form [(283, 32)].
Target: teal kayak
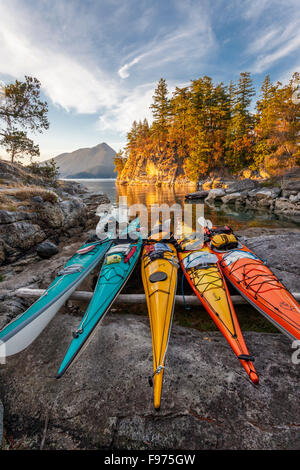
[(23, 330), (119, 263)]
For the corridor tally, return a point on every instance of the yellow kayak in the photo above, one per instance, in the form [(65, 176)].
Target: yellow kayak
[(159, 275)]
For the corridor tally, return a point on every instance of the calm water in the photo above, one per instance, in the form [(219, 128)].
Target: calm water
[(219, 215)]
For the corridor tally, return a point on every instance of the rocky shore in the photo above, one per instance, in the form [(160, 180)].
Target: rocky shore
[(281, 196), (105, 401), (39, 219), (208, 402), (36, 215)]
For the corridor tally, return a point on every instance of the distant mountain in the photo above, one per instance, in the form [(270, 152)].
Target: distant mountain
[(95, 162)]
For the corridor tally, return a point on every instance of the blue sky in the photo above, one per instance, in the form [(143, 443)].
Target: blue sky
[(99, 60)]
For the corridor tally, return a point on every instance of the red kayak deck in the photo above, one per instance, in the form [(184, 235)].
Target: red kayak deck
[(259, 285)]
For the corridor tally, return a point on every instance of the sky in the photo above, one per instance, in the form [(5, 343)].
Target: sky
[(99, 61)]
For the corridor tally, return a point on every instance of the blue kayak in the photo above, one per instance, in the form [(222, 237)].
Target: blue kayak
[(119, 263), (23, 330)]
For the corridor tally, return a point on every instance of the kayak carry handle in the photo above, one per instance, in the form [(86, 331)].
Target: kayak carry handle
[(246, 357), (76, 333)]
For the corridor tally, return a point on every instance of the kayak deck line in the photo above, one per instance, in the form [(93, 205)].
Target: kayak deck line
[(25, 327), (118, 265), (255, 281), (131, 298), (89, 338)]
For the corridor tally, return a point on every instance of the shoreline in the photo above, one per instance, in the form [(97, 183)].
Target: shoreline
[(281, 197)]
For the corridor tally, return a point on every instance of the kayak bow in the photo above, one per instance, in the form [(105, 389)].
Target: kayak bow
[(24, 329)]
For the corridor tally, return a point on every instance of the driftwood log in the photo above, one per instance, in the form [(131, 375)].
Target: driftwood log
[(129, 298)]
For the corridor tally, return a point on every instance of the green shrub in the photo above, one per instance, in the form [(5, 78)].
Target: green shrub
[(47, 170)]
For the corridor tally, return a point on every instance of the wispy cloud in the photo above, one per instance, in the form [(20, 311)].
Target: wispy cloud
[(124, 70), (134, 106), (254, 8), (194, 39), (273, 32), (266, 41), (278, 43), (65, 80)]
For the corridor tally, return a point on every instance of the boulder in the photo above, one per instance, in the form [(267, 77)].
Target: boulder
[(242, 185), (291, 180), (37, 199), (288, 193), (295, 198), (95, 199), (285, 206), (104, 401), (2, 251), (74, 212), (263, 197), (30, 271), (21, 230), (22, 235), (272, 193), (215, 195), (72, 187), (231, 198), (8, 217), (197, 195), (264, 193), (46, 249), (17, 173), (51, 215)]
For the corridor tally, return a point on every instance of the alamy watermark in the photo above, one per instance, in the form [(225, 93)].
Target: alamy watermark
[(114, 220), (2, 92), (2, 353), (296, 354)]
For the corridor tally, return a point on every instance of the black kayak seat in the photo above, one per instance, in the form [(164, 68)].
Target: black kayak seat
[(158, 276)]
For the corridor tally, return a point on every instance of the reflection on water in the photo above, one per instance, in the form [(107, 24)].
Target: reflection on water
[(219, 215), (226, 215), (149, 195), (107, 186)]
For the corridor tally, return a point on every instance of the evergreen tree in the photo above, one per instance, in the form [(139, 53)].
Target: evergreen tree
[(17, 144), (20, 110), (206, 127), (119, 161), (161, 108), (240, 138)]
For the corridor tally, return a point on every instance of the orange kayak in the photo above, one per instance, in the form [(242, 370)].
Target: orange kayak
[(201, 269), (259, 286)]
